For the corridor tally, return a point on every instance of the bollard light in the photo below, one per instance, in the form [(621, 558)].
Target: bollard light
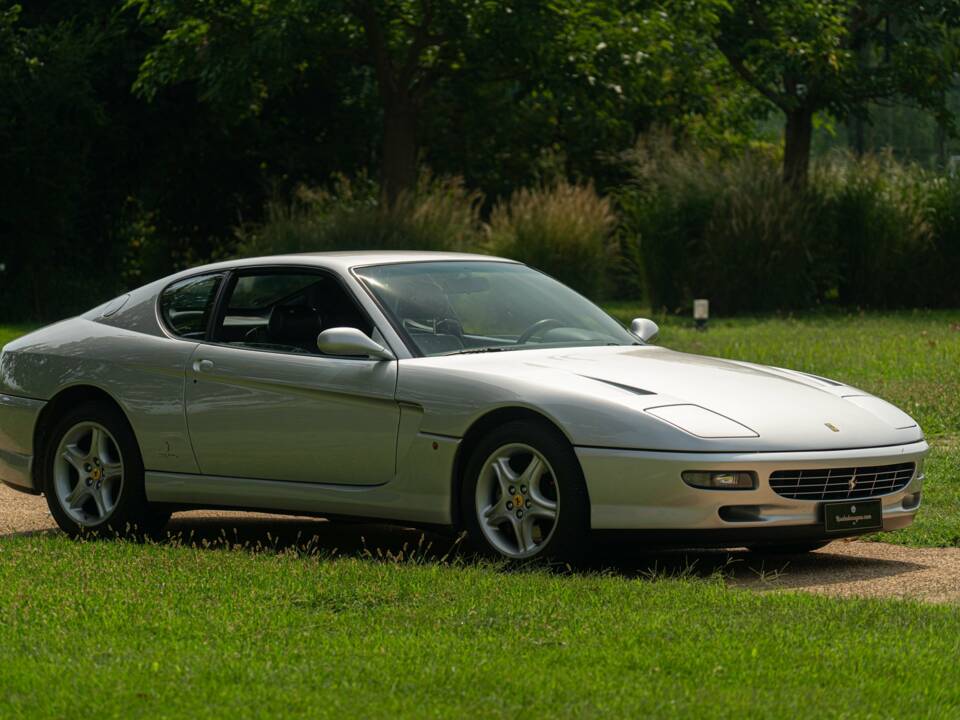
[(701, 313)]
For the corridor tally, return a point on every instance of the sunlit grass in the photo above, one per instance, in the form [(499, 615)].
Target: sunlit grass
[(11, 332), (116, 630), (111, 629)]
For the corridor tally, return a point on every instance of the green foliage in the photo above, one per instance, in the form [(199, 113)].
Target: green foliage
[(728, 231), (866, 232), (880, 225), (133, 140), (439, 215), (50, 118), (942, 264), (836, 56), (563, 229)]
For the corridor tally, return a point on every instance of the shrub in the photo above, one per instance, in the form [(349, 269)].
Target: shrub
[(864, 232), (729, 231), (879, 219), (440, 215), (562, 229), (942, 269)]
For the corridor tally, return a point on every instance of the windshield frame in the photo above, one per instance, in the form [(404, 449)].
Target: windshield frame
[(415, 351)]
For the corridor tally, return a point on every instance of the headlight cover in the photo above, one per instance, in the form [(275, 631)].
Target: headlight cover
[(701, 422)]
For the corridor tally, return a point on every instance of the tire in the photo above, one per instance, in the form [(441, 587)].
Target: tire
[(539, 465), (799, 548), (98, 491)]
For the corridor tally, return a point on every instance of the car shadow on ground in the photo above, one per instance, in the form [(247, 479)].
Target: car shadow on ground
[(389, 542)]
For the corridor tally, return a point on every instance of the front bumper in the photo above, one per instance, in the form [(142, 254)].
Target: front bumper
[(18, 418), (643, 490)]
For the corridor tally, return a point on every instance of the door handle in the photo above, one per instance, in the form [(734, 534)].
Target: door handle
[(203, 365)]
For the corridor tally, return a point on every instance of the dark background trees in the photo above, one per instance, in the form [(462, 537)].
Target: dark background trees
[(137, 136), (839, 56)]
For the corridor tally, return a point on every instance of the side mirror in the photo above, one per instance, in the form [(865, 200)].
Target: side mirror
[(646, 330), (350, 342)]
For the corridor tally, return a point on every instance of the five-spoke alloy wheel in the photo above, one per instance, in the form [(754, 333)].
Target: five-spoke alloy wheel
[(523, 494), (93, 475), (517, 500), (88, 474)]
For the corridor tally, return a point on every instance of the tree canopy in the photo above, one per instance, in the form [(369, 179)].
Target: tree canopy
[(839, 56), (137, 135)]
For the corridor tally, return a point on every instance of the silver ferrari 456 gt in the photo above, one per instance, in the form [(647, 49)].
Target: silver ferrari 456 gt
[(436, 389)]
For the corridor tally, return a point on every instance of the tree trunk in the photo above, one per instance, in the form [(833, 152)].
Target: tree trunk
[(399, 171), (796, 152)]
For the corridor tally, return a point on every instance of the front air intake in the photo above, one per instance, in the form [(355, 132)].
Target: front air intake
[(841, 483)]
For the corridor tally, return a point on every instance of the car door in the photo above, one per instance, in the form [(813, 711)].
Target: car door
[(262, 404)]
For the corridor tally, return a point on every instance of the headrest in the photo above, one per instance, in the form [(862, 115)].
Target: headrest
[(294, 325)]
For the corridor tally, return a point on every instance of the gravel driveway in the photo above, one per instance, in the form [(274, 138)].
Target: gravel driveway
[(843, 568)]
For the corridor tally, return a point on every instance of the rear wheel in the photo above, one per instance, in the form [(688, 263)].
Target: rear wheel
[(799, 548), (93, 476), (524, 496)]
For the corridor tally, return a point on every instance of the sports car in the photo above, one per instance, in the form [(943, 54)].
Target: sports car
[(436, 389)]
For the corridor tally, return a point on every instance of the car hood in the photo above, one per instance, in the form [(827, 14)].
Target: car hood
[(776, 409)]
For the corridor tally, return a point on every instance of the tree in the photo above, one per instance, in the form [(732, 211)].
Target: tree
[(838, 56), (241, 51), (581, 76)]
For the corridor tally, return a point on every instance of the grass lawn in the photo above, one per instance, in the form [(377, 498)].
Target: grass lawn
[(10, 332), (110, 630), (117, 630)]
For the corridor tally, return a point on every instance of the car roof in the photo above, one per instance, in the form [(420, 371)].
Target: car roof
[(345, 260)]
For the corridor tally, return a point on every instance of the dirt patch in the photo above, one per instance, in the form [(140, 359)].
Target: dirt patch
[(843, 568), (860, 569)]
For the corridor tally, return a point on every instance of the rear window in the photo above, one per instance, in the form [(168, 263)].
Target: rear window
[(185, 306)]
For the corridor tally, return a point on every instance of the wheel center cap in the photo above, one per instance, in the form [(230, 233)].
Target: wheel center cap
[(518, 500), (96, 473)]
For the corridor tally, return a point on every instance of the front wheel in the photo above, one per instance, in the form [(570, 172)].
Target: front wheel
[(93, 476), (524, 496)]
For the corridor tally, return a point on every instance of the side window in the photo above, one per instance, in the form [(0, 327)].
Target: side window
[(286, 311), (185, 306)]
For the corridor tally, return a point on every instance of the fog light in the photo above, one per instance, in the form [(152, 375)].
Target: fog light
[(726, 480)]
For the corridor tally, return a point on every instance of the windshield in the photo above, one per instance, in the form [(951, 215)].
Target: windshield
[(474, 306)]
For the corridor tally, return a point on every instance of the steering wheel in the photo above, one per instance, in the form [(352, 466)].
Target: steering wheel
[(538, 327)]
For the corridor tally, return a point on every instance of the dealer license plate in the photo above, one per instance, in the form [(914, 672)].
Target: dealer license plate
[(853, 515)]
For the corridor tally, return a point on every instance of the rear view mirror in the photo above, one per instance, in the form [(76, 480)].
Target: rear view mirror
[(350, 342), (646, 330)]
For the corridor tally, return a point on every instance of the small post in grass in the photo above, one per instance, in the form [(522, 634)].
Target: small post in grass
[(701, 313)]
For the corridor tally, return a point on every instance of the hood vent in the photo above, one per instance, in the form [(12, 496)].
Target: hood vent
[(628, 388)]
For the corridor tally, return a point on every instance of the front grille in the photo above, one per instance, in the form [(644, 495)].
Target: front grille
[(841, 483)]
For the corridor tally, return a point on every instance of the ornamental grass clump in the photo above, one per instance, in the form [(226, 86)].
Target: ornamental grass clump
[(563, 229), (441, 214)]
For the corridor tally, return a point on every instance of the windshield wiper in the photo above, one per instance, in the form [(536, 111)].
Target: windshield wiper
[(475, 351)]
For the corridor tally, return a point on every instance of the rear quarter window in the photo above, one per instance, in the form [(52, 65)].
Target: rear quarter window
[(186, 305)]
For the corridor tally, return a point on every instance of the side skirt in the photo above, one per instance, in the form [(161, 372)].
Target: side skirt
[(420, 493)]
